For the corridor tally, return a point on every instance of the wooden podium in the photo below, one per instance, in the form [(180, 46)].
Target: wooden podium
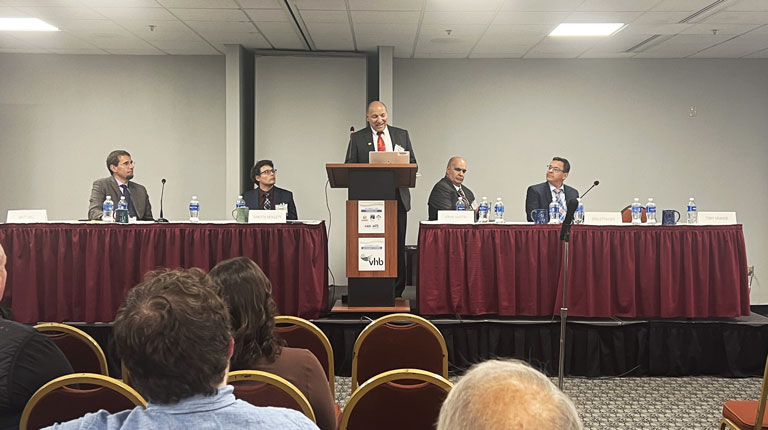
[(371, 288)]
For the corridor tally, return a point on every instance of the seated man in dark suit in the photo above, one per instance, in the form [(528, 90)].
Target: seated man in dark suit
[(539, 196), (28, 360), (267, 196), (448, 190), (119, 184)]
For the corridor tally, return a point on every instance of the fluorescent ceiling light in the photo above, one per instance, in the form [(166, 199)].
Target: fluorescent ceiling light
[(587, 29), (25, 24)]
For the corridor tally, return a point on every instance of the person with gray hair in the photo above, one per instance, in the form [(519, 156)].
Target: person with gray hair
[(507, 394)]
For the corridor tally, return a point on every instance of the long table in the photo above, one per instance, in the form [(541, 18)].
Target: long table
[(614, 271), (81, 272)]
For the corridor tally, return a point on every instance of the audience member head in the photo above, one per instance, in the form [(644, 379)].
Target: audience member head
[(248, 294), (456, 170), (3, 273), (120, 165), (557, 171), (507, 394), (377, 116), (173, 334)]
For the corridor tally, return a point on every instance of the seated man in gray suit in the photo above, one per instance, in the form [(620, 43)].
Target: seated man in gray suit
[(119, 184), (267, 196), (447, 191), (539, 196)]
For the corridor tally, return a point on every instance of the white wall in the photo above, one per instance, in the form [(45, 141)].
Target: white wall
[(304, 108), (60, 115), (623, 122)]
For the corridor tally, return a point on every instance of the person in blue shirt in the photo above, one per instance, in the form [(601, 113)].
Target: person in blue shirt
[(174, 336)]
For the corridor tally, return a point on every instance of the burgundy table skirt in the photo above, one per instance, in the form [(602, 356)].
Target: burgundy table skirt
[(613, 271), (81, 272)]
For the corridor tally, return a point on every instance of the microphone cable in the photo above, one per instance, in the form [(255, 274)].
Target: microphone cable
[(328, 232)]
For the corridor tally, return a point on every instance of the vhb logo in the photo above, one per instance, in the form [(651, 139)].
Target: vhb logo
[(373, 261)]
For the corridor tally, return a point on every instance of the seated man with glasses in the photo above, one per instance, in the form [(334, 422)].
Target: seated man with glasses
[(119, 184), (448, 190), (267, 196), (539, 196)]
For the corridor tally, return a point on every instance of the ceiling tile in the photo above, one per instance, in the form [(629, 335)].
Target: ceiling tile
[(114, 41), (143, 13), (268, 15), (512, 48), (603, 16), (683, 5), (600, 54), (260, 4), (47, 3), (564, 54), (655, 29), (760, 54), (722, 29), (203, 26), (331, 37), (456, 17), (463, 5), (387, 32), (321, 4), (440, 55), (60, 40), (521, 34), (526, 17), (227, 15), (392, 5), (737, 18), (249, 40), (120, 3), (8, 41), (46, 13), (29, 50), (479, 55), (209, 50), (148, 51), (180, 44), (659, 17), (90, 26), (749, 5), (325, 16), (470, 32), (726, 51), (617, 5), (281, 35), (163, 30), (539, 5), (11, 12), (80, 51), (200, 4), (380, 17)]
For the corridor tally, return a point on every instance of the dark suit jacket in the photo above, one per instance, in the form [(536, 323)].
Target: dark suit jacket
[(444, 196), (361, 143), (108, 185), (539, 196), (279, 195)]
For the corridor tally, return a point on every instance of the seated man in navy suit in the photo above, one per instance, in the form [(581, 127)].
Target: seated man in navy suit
[(267, 196), (539, 196)]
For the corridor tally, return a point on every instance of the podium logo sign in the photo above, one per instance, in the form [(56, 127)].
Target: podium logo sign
[(370, 216), (371, 256)]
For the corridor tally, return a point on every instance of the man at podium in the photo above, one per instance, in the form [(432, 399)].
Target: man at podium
[(379, 137)]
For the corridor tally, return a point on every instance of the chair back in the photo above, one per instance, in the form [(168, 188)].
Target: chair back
[(58, 401), (388, 344), (267, 389), (626, 215), (300, 333), (385, 402), (83, 352), (763, 398)]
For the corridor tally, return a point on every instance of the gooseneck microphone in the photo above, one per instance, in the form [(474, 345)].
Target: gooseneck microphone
[(565, 230), (162, 193), (594, 184)]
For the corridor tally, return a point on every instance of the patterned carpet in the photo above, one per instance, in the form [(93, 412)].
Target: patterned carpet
[(642, 403)]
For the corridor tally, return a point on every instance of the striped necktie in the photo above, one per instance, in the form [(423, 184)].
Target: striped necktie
[(560, 205)]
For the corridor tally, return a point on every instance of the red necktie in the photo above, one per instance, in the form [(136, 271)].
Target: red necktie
[(380, 144)]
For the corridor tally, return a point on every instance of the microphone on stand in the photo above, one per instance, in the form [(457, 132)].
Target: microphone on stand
[(594, 184), (565, 230), (162, 193)]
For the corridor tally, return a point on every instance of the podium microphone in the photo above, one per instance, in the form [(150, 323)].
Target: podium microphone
[(162, 193), (565, 230), (594, 184)]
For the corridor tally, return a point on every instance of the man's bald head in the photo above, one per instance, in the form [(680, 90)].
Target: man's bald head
[(3, 273), (377, 116)]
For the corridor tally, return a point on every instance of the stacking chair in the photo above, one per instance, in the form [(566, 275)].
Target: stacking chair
[(398, 341), (747, 414), (626, 215), (57, 401), (83, 352), (300, 333), (267, 389), (385, 402)]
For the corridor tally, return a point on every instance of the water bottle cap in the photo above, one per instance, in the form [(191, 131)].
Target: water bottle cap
[(637, 199), (498, 199), (240, 197), (690, 198), (650, 199), (194, 197), (485, 198)]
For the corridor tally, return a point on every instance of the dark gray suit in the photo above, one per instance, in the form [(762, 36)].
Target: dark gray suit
[(108, 185), (361, 143), (444, 196), (279, 196), (539, 196)]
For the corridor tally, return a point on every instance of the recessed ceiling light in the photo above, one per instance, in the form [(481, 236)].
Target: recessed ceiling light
[(587, 29), (25, 24)]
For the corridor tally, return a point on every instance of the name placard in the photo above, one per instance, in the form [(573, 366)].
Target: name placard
[(27, 216), (370, 254), (456, 217), (602, 218), (717, 218), (266, 217)]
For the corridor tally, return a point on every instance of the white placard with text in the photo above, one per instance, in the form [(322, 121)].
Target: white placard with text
[(370, 254), (456, 217), (27, 216), (717, 218), (602, 218), (266, 217), (370, 216)]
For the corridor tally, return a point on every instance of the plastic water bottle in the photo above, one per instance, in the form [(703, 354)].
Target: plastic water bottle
[(693, 215), (121, 215), (578, 217), (484, 211), (637, 211), (108, 210), (241, 210), (650, 212), (498, 211), (460, 206), (554, 212), (194, 210)]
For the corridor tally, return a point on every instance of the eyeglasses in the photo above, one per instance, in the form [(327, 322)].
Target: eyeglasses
[(554, 169), (268, 172), (460, 170), (128, 163)]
